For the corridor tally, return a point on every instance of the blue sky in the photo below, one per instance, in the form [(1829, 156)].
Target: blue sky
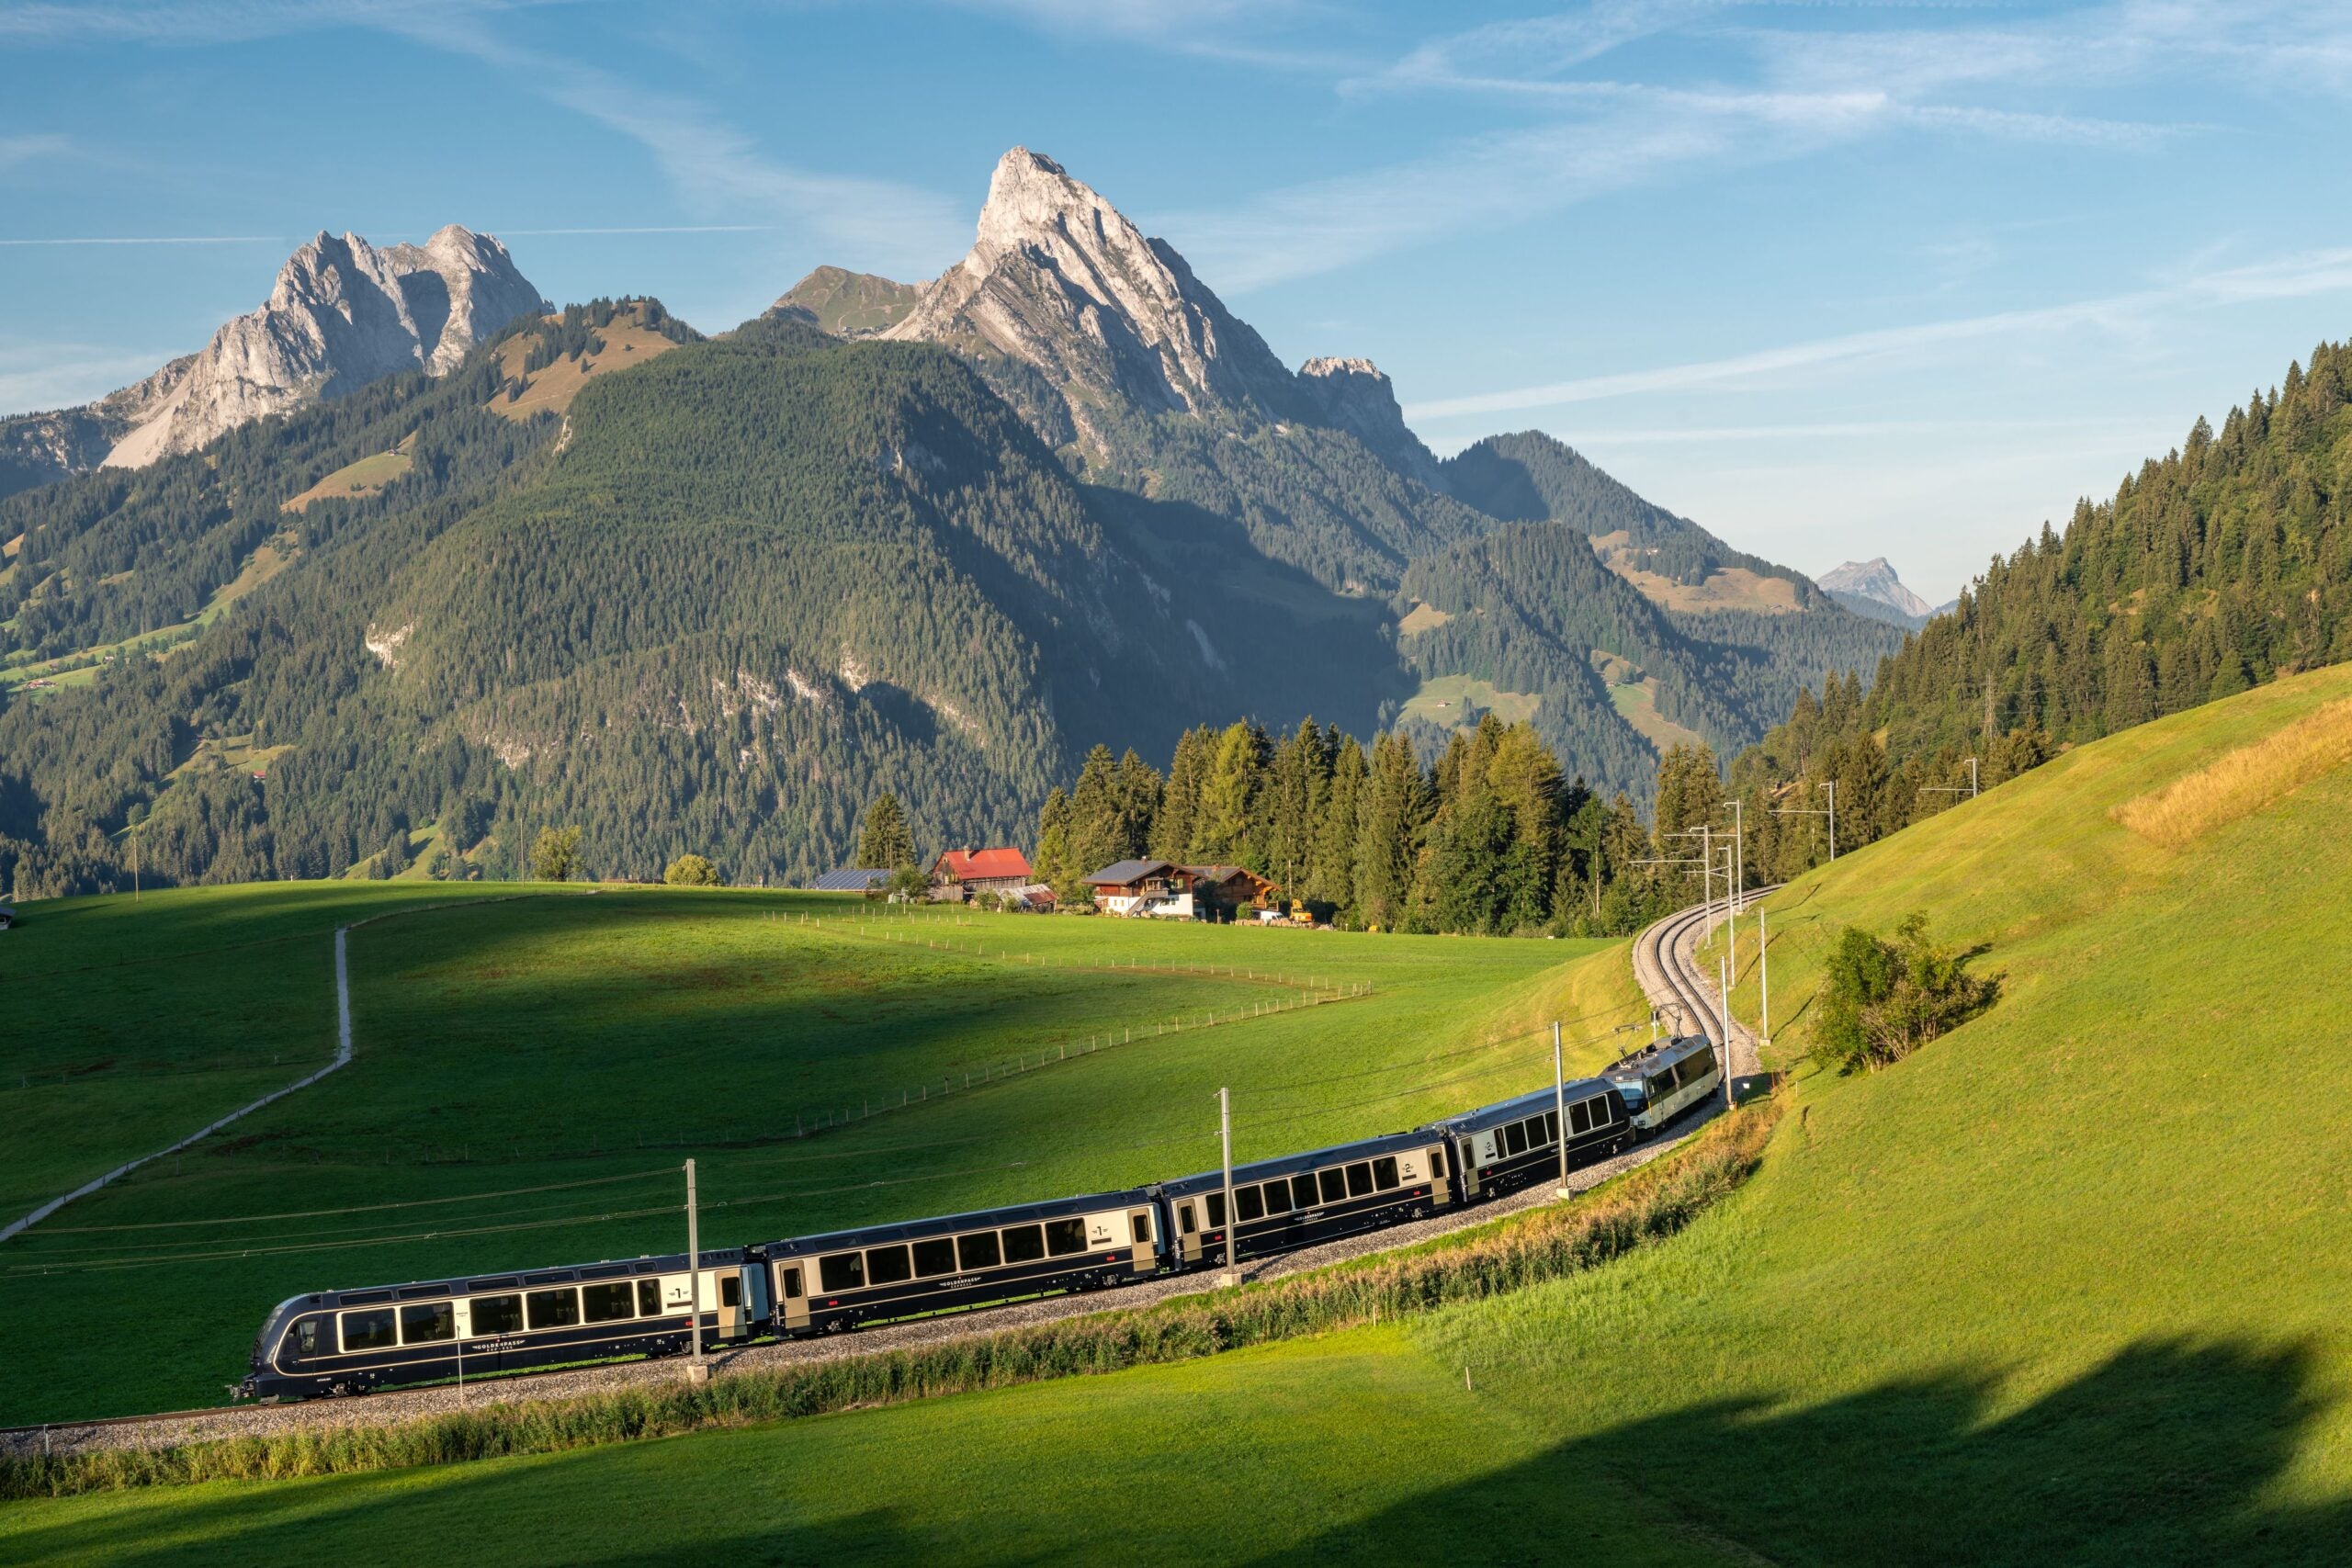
[(1835, 279)]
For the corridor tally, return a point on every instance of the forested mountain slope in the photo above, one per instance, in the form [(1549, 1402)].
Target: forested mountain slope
[(2211, 569), (729, 596)]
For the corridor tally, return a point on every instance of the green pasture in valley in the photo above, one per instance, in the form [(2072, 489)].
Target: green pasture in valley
[(2066, 1285), (514, 1056)]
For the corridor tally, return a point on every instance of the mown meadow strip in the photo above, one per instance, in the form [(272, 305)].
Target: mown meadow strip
[(1508, 1254)]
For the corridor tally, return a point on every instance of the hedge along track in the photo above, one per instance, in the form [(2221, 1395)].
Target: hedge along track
[(1661, 963)]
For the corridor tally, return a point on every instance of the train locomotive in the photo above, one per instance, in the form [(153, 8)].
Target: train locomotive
[(356, 1341)]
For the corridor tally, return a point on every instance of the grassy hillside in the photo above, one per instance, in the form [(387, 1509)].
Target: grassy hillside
[(559, 1039), (2063, 1286)]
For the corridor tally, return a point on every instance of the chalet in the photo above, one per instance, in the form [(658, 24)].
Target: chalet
[(957, 874), (1221, 890), (1151, 888)]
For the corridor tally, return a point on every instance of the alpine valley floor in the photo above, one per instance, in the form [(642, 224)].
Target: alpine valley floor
[(2064, 1286)]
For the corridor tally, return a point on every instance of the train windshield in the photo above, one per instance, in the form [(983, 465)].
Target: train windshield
[(1629, 1092)]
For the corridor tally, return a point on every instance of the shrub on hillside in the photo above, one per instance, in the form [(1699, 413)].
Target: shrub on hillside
[(690, 871), (1882, 1000)]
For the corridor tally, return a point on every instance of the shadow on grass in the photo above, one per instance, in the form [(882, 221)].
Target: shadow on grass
[(2167, 1454)]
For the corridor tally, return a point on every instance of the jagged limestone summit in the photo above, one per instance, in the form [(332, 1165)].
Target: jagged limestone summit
[(342, 313)]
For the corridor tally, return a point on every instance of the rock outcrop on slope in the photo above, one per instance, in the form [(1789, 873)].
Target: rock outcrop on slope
[(342, 313), (1870, 588), (1354, 395)]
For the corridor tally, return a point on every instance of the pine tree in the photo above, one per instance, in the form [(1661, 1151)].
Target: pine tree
[(884, 843)]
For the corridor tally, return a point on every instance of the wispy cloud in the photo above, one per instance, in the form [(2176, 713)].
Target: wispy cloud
[(716, 168), (1481, 182), (1246, 32), (156, 239), (221, 21), (16, 150), (657, 229), (2303, 277), (43, 376)]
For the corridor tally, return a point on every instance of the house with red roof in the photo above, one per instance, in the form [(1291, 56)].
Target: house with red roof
[(957, 874)]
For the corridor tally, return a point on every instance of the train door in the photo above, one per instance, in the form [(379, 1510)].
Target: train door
[(1188, 1230), (1440, 1190), (791, 1300), (1145, 1257)]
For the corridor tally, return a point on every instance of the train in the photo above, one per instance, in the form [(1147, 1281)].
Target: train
[(335, 1343)]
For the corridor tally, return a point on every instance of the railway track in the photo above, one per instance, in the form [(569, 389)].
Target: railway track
[(1676, 984), (1662, 965)]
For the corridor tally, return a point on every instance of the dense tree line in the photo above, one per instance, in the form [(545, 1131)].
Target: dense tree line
[(2219, 566), (1490, 837)]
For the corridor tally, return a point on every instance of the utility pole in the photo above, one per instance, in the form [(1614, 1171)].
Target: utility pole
[(695, 1371), (1831, 785), (1232, 1275), (1560, 1105), (1739, 851), (1763, 979), (1972, 778), (1723, 989)]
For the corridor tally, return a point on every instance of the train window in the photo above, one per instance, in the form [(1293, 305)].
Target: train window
[(1023, 1244), (1141, 1222), (1360, 1178), (1064, 1237), (1552, 1127), (887, 1264), (1216, 1202), (1660, 1087), (792, 1283), (1384, 1172), (1184, 1219), (608, 1303), (1580, 1118), (1437, 1164), (302, 1339), (1277, 1196), (553, 1309), (428, 1323), (841, 1272), (1515, 1139), (1303, 1191), (979, 1251), (1248, 1204), (497, 1314), (935, 1256), (649, 1297), (730, 1289), (368, 1330), (1335, 1186)]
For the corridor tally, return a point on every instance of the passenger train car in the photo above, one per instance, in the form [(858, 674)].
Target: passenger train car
[(340, 1342), (1661, 1082), (1500, 1148), (356, 1341), (1282, 1205), (825, 1283)]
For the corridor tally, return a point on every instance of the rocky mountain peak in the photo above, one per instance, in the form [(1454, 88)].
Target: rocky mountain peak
[(341, 314), (1355, 396), (1875, 580), (1061, 280)]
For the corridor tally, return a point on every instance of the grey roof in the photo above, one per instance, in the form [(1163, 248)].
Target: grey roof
[(849, 879), (1120, 873)]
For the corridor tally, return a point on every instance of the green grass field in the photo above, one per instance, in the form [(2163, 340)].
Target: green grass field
[(2065, 1286), (1441, 700), (561, 1038)]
